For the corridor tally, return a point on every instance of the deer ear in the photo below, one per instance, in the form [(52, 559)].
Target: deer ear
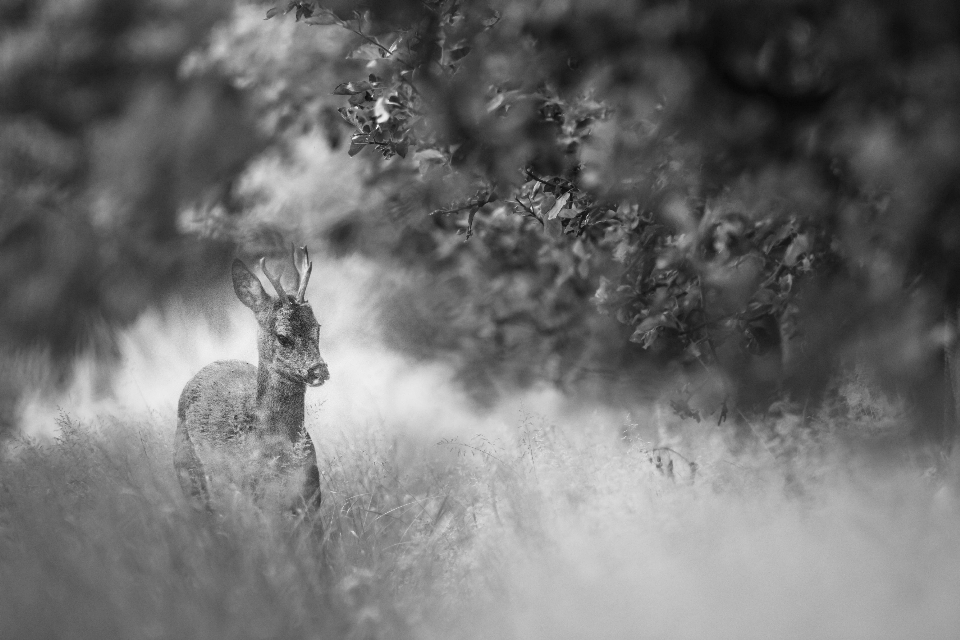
[(248, 288)]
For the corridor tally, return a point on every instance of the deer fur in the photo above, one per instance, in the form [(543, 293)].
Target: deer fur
[(252, 416)]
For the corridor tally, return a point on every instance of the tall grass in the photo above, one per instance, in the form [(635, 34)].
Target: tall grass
[(546, 532), (560, 521)]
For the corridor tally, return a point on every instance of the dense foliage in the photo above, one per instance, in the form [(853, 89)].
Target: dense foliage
[(103, 136), (748, 184), (743, 192)]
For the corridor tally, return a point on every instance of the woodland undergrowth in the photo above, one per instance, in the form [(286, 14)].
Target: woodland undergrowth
[(465, 537)]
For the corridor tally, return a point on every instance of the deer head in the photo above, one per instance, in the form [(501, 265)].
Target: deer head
[(289, 333)]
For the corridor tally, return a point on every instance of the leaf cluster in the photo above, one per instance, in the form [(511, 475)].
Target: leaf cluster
[(717, 161)]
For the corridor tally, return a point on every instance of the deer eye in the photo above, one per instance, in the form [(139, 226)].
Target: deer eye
[(285, 341)]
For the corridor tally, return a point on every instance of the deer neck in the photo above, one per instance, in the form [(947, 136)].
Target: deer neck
[(279, 403)]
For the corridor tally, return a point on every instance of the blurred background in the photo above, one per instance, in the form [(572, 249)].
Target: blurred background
[(641, 316), (736, 209)]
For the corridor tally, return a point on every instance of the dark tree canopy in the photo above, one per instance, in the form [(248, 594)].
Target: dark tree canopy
[(754, 187), (745, 195), (104, 135)]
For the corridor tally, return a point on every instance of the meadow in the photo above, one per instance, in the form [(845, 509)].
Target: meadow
[(675, 177), (539, 518)]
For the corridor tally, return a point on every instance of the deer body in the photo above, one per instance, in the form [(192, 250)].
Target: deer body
[(232, 412)]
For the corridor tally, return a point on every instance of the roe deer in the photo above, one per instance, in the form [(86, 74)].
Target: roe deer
[(234, 413)]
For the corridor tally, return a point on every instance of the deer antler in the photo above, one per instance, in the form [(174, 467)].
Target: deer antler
[(307, 267), (296, 269), (274, 280)]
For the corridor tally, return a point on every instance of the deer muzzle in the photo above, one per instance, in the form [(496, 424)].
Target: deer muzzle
[(318, 374)]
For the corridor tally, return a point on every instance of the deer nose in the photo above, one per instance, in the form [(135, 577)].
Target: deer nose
[(318, 373)]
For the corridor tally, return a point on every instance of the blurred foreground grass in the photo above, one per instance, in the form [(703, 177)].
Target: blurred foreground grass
[(547, 533)]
